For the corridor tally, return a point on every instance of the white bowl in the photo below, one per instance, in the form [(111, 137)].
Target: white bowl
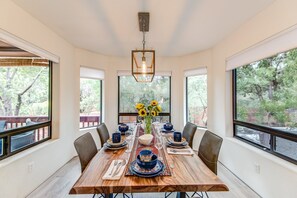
[(145, 139)]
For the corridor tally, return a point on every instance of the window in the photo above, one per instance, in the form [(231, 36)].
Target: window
[(132, 92), (265, 104), (25, 103), (90, 97), (196, 99)]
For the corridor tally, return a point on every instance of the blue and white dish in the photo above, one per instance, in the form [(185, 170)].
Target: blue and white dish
[(167, 131), (141, 172), (168, 126), (182, 142), (112, 144), (147, 164), (123, 127)]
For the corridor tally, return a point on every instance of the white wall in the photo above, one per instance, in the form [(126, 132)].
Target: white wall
[(277, 177), (15, 180)]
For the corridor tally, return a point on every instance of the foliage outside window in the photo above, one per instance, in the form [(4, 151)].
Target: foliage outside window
[(196, 99), (132, 92), (90, 102), (265, 104), (25, 105)]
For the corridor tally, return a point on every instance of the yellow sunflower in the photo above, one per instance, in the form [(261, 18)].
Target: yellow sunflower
[(142, 112), (154, 113), (154, 102), (158, 108), (139, 106)]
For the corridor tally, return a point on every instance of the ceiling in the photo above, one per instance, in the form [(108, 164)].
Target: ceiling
[(110, 27)]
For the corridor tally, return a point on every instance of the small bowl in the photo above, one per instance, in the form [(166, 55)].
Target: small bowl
[(145, 139), (145, 155), (123, 127), (168, 126), (147, 165)]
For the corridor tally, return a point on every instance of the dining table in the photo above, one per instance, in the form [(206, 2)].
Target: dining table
[(185, 173)]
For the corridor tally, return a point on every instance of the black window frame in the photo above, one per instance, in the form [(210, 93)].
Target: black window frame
[(271, 131), (100, 118), (136, 114), (187, 106), (6, 135)]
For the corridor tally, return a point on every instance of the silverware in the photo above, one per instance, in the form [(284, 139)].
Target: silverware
[(123, 163), (114, 165), (180, 151)]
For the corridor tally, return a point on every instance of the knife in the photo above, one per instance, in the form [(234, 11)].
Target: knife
[(117, 169)]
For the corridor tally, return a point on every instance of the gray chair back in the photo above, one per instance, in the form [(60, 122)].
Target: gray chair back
[(86, 149), (189, 132), (209, 150), (103, 133)]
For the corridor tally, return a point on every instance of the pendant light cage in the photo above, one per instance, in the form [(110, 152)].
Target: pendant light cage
[(143, 61)]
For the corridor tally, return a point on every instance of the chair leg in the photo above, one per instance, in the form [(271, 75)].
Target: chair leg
[(206, 194), (125, 195), (100, 195), (167, 195), (197, 193)]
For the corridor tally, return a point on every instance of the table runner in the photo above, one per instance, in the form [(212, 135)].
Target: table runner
[(137, 147)]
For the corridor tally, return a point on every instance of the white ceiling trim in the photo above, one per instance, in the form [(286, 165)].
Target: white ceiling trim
[(196, 72), (280, 42), (86, 72), (29, 47)]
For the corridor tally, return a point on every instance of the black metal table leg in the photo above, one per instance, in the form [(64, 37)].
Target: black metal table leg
[(109, 195), (180, 195)]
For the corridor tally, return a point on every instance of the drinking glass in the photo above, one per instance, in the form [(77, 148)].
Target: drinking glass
[(159, 145), (129, 138)]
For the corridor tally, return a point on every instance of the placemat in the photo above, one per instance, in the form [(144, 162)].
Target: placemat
[(137, 147)]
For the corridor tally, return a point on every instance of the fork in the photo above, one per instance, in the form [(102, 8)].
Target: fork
[(119, 166), (114, 165)]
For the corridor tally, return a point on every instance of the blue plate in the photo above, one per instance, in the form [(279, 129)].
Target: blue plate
[(167, 131), (173, 144), (157, 170), (116, 146), (176, 146), (107, 146), (123, 133)]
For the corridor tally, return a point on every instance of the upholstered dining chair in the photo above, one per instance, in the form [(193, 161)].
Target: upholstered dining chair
[(86, 149), (103, 133), (208, 152), (189, 132)]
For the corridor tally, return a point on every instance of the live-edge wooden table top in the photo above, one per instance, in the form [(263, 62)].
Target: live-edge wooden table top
[(189, 174)]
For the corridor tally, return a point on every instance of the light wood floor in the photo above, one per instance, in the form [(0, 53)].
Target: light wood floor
[(59, 184)]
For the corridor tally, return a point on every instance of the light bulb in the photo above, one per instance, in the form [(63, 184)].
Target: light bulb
[(143, 64)]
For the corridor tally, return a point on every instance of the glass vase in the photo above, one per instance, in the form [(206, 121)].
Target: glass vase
[(147, 124)]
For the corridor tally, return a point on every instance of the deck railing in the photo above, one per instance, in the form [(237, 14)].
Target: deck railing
[(12, 122), (89, 121)]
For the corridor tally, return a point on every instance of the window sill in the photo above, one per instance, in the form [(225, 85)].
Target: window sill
[(88, 129), (23, 154), (268, 156), (201, 128)]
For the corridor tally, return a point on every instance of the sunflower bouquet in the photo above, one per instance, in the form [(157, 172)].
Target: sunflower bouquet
[(148, 112)]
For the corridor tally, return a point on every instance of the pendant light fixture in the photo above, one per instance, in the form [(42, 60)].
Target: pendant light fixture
[(143, 61)]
